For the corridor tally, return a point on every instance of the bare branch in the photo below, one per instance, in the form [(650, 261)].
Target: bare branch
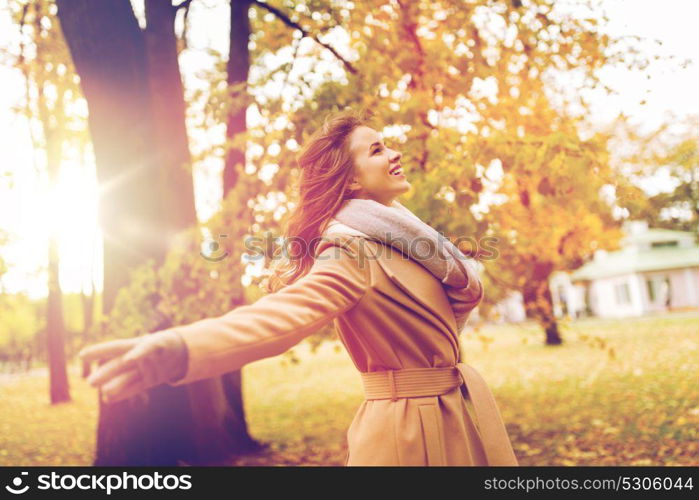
[(286, 20)]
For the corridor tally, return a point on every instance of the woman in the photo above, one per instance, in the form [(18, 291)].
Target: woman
[(397, 309)]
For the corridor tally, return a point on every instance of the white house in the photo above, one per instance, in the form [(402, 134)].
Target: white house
[(510, 309), (655, 270)]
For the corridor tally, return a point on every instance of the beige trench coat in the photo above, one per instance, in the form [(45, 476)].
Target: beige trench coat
[(391, 314)]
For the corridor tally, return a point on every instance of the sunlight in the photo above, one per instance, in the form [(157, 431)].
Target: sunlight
[(74, 218), (70, 211)]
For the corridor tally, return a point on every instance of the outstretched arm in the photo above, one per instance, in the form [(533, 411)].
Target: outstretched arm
[(337, 281)]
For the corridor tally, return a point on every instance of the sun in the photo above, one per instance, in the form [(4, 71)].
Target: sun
[(74, 218), (68, 210)]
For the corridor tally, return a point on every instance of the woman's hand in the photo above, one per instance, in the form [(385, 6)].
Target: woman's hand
[(134, 365)]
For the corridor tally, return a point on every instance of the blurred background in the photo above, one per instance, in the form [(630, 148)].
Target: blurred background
[(142, 142)]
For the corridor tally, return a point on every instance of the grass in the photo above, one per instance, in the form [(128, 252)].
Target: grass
[(617, 392)]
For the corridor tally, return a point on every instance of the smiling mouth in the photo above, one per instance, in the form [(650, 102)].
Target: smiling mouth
[(396, 170)]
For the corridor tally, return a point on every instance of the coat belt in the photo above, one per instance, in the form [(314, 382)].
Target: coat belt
[(423, 382)]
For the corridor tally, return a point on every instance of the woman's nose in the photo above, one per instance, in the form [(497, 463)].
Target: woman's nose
[(396, 156)]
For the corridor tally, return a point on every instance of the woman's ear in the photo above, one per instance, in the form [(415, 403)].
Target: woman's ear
[(354, 185)]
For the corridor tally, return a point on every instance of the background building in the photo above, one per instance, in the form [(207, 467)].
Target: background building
[(655, 270)]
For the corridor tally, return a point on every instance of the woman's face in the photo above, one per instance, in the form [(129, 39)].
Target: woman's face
[(378, 175)]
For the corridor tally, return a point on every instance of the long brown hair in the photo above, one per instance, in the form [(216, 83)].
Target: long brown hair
[(326, 167)]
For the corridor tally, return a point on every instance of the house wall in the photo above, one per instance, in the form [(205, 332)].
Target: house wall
[(604, 301), (576, 303), (684, 285), (691, 277), (511, 309), (573, 296)]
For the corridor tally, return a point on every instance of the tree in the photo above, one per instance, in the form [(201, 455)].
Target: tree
[(669, 149), (51, 88), (677, 209), (131, 80), (547, 218)]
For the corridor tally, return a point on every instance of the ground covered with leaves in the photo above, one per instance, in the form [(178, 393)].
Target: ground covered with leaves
[(617, 392)]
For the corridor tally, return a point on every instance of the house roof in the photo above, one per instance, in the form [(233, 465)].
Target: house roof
[(629, 260)]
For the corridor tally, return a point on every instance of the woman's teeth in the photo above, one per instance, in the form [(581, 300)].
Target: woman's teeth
[(397, 171)]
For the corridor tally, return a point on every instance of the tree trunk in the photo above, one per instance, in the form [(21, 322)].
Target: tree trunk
[(538, 301), (236, 423), (237, 68), (55, 331), (171, 147), (132, 83), (59, 389)]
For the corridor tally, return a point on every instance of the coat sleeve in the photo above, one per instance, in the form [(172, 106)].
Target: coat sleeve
[(336, 282), (463, 300)]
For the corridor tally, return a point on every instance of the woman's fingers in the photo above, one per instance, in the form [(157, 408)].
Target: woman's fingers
[(122, 386), (107, 350), (109, 370)]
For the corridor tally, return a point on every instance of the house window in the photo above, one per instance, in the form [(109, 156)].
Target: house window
[(660, 244), (562, 299), (658, 289), (651, 289), (623, 296)]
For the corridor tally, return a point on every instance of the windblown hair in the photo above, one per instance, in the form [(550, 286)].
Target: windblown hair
[(326, 168)]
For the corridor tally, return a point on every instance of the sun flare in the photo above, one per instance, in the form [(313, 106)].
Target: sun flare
[(67, 210)]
